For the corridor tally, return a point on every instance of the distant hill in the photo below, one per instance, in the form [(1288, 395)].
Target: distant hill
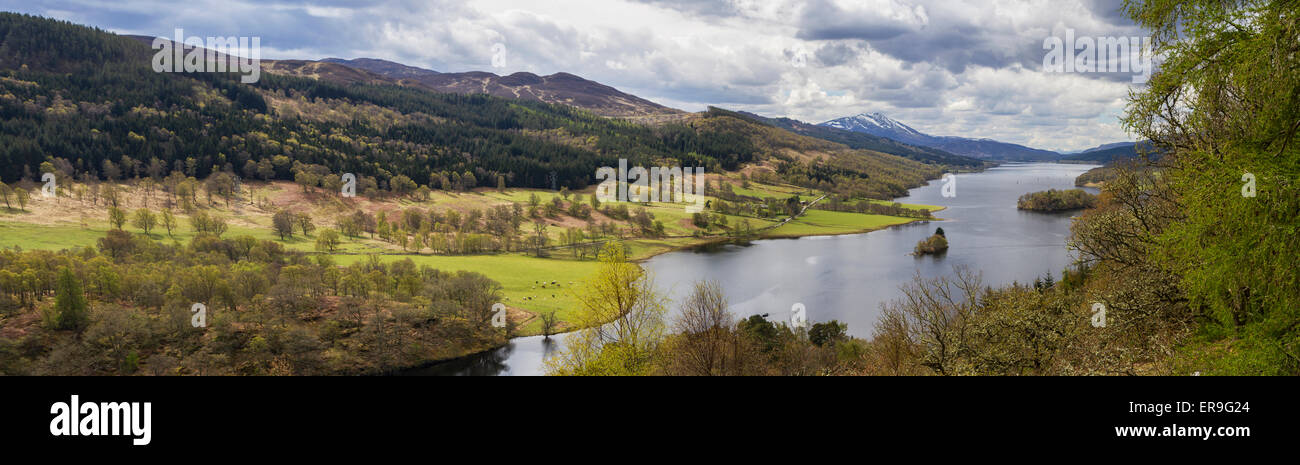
[(324, 70), (1113, 152), (558, 88), (328, 72), (990, 149), (88, 103), (1100, 147), (861, 140), (878, 124), (384, 67)]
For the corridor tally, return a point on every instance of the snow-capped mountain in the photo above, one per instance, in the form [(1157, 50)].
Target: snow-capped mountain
[(878, 124)]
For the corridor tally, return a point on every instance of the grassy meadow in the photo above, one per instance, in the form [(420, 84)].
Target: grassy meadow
[(67, 222)]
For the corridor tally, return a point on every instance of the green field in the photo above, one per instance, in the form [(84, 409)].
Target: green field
[(766, 190), (910, 206), (521, 275), (521, 278), (518, 274), (640, 249), (30, 236), (677, 222), (63, 236), (816, 222)]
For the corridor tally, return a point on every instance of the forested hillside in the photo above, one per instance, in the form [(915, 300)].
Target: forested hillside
[(89, 103), (557, 88)]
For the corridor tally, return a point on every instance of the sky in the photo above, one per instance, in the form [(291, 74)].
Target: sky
[(963, 68)]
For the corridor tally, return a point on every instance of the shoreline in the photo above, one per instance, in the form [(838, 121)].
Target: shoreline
[(722, 239), (639, 261)]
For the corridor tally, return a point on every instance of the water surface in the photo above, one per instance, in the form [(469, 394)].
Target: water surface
[(847, 278)]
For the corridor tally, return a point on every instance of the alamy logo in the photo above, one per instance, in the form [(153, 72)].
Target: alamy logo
[(217, 55), (799, 58), (949, 189), (498, 315), (1098, 55), (657, 184), (349, 188), (51, 186), (200, 318), (798, 316), (498, 55), (102, 419), (1098, 315)]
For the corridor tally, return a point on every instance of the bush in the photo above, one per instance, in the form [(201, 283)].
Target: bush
[(829, 332), (931, 245)]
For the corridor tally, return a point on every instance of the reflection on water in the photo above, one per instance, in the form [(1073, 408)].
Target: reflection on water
[(521, 357), (847, 278)]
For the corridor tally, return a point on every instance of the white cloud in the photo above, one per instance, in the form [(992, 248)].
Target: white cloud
[(965, 68)]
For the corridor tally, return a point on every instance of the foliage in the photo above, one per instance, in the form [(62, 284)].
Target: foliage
[(1225, 107), (934, 244), (95, 101), (622, 295), (1052, 200), (1095, 176), (830, 332), (269, 311), (69, 302)]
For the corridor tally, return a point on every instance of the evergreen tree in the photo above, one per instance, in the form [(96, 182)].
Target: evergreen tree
[(69, 302)]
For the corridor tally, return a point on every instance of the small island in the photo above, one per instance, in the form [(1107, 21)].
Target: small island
[(936, 244), (1052, 200)]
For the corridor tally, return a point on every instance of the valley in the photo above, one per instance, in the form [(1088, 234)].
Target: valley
[(368, 216)]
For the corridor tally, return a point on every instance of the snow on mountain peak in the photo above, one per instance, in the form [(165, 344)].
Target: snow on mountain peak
[(873, 120)]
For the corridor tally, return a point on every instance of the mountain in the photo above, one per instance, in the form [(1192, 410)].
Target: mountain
[(989, 149), (384, 67), (323, 71), (863, 140), (558, 88), (88, 104), (878, 124), (1113, 152), (1101, 147)]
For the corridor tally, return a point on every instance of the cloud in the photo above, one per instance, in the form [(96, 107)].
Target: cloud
[(837, 53), (1112, 11), (704, 8), (969, 68), (865, 19)]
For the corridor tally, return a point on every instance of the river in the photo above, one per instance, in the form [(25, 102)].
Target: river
[(848, 277)]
